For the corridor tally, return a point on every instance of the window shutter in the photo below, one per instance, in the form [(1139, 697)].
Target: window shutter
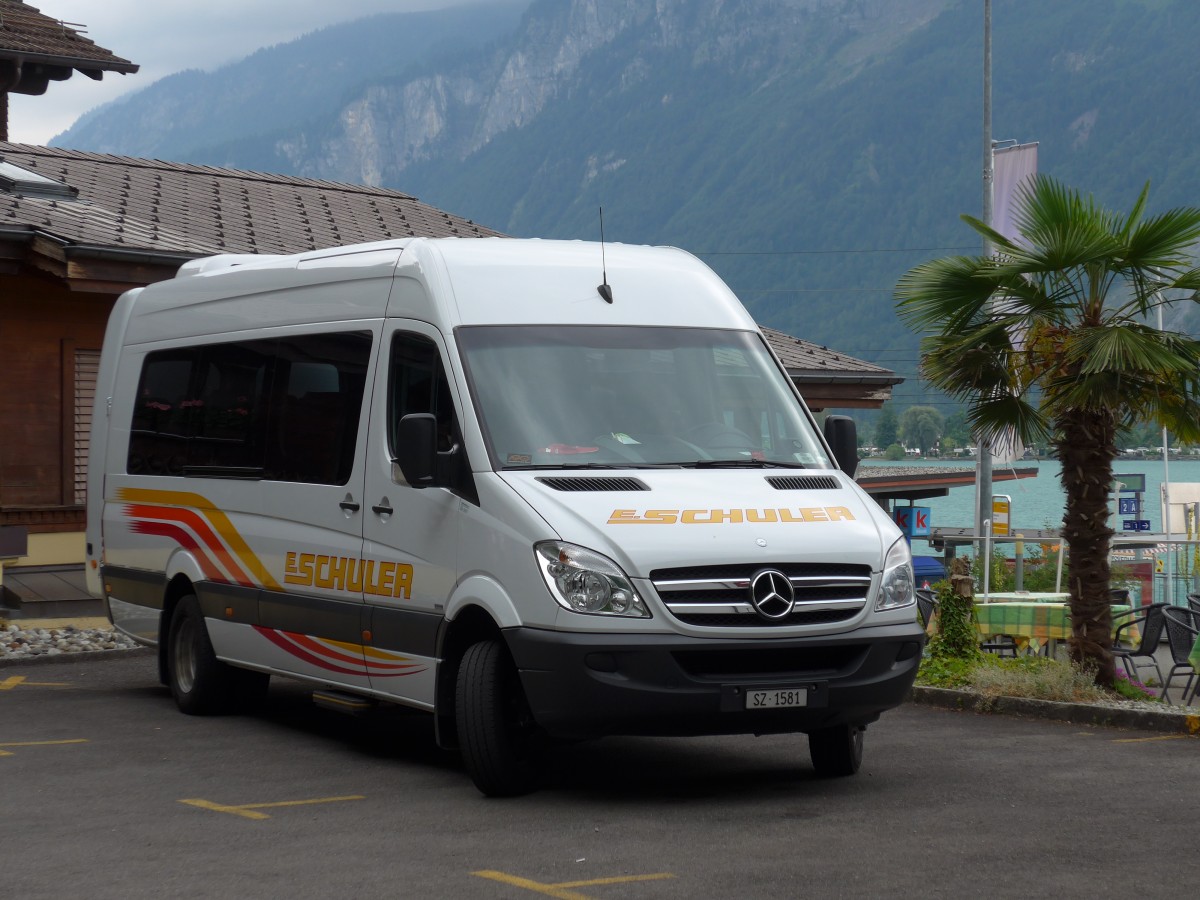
[(87, 365)]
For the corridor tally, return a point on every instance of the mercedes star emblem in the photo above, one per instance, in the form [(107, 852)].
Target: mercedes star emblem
[(771, 594)]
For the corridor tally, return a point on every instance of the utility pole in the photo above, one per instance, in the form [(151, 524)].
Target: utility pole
[(983, 469)]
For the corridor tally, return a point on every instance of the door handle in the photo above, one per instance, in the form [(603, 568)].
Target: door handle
[(349, 505), (382, 508)]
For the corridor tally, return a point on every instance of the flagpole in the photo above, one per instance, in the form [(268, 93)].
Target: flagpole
[(983, 469)]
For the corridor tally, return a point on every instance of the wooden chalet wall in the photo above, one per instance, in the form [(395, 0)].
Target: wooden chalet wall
[(44, 327)]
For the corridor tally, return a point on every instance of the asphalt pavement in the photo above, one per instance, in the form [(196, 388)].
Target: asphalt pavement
[(107, 791)]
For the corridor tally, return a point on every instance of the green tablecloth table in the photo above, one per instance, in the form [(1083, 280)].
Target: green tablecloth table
[(1032, 624), (1021, 597)]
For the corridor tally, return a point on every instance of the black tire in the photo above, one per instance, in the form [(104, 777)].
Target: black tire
[(496, 732), (200, 683), (837, 751)]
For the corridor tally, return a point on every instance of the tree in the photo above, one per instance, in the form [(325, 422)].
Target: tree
[(885, 427), (956, 432), (1049, 335), (921, 426)]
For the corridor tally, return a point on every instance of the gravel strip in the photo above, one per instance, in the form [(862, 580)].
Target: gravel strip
[(19, 644)]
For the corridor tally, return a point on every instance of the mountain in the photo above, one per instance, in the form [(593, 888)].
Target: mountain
[(810, 150), (284, 87)]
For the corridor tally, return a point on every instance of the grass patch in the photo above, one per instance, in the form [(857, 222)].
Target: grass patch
[(1029, 677)]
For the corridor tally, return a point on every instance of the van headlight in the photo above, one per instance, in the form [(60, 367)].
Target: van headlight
[(583, 581), (898, 585)]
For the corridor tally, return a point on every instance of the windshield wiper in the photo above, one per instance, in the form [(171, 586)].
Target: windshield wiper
[(745, 464), (588, 465)]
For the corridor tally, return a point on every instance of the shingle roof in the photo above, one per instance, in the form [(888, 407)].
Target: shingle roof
[(25, 33), (188, 210), (802, 357)]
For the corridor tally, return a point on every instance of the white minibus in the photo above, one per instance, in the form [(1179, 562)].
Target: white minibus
[(543, 490)]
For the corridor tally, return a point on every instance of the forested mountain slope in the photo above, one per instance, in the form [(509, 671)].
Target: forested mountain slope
[(810, 150)]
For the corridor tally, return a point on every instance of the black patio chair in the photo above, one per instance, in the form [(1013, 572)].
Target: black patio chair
[(1193, 601), (926, 605), (1149, 621), (1181, 625)]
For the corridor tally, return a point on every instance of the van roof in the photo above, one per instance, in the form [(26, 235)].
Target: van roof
[(468, 281)]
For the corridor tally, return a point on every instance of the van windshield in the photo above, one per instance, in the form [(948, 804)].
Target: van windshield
[(628, 396)]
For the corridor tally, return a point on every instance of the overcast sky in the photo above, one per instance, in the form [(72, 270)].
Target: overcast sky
[(165, 36)]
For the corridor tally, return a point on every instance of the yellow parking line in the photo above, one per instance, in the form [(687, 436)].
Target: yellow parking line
[(13, 681), (561, 890), (249, 810), (617, 879), (1147, 740), (4, 752)]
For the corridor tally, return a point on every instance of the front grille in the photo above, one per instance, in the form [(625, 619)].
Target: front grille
[(719, 596), (741, 620)]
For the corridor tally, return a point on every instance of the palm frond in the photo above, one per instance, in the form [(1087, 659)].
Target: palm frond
[(1134, 348), (1135, 214), (1163, 242), (954, 289), (995, 415)]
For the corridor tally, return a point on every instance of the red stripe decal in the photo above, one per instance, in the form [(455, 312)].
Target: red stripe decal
[(304, 641), (201, 527), (185, 540), (281, 639)]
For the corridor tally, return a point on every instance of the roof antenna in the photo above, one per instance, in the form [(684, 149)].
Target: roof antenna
[(603, 289)]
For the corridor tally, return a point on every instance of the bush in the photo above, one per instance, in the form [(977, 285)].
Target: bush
[(956, 638)]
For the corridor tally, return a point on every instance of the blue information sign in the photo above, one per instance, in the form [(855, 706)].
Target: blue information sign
[(1128, 506), (1135, 524)]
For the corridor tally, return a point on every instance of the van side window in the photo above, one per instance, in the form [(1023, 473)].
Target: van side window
[(285, 409), (230, 409), (318, 396), (419, 385)]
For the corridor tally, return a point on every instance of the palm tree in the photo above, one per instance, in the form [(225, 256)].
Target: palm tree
[(1049, 336)]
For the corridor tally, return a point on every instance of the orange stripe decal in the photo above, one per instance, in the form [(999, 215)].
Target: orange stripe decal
[(219, 521), (202, 530)]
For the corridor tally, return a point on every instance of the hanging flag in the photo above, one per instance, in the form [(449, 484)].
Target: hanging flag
[(1013, 167)]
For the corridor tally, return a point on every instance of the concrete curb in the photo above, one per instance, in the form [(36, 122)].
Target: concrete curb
[(1169, 721), (78, 656), (91, 623)]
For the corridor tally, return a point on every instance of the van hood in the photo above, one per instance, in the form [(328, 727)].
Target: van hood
[(647, 519)]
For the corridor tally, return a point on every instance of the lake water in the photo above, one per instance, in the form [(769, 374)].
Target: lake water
[(1039, 502)]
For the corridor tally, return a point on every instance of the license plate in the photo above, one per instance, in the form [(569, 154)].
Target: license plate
[(781, 698)]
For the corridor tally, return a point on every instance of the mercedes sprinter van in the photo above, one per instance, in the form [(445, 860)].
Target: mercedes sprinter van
[(541, 489)]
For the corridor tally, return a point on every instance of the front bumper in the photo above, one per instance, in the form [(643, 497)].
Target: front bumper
[(590, 685)]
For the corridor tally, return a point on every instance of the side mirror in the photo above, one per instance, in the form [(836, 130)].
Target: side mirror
[(842, 437), (416, 449)]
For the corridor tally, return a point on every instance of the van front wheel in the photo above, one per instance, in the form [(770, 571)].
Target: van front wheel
[(496, 731), (836, 751)]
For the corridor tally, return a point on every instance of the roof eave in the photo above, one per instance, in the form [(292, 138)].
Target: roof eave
[(87, 65), (824, 376)]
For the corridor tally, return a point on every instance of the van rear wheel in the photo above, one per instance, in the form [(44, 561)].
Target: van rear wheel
[(836, 751), (200, 683), (496, 731)]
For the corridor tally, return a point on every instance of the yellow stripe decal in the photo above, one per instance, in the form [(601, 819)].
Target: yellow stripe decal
[(219, 520)]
